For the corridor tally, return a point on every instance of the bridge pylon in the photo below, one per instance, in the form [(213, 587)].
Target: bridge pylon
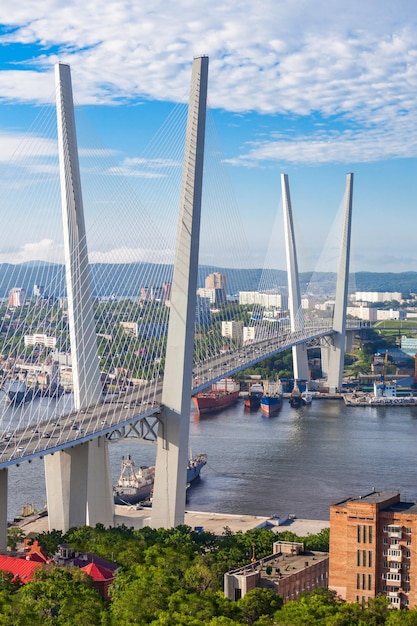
[(333, 351), (67, 471), (168, 506), (299, 353)]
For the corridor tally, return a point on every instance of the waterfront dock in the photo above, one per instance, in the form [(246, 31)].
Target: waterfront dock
[(210, 522)]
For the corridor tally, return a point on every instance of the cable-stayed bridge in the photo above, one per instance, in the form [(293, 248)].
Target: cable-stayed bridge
[(133, 363)]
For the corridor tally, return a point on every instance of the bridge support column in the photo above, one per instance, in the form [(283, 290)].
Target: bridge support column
[(66, 487), (337, 350), (4, 475), (299, 353), (100, 504), (168, 506)]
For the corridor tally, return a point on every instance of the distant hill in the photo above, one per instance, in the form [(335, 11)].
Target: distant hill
[(127, 279)]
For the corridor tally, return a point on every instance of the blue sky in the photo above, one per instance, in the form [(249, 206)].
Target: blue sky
[(312, 89)]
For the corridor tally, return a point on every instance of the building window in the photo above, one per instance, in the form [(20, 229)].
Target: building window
[(408, 554), (363, 581), (370, 534), (385, 529), (238, 594), (369, 558), (364, 533), (364, 558), (385, 540), (369, 582), (385, 552), (358, 562), (408, 531), (359, 533), (385, 563)]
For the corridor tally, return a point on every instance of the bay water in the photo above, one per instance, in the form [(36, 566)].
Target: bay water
[(298, 462)]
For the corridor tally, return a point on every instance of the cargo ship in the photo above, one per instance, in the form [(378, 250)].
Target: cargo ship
[(19, 392), (221, 395), (271, 404), (136, 486), (271, 401), (295, 398), (253, 399)]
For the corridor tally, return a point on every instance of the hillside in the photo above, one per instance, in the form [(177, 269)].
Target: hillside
[(127, 279)]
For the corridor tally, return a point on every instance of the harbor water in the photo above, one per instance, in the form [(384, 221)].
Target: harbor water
[(299, 461)]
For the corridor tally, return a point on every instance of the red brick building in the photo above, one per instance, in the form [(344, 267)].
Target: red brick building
[(373, 549)]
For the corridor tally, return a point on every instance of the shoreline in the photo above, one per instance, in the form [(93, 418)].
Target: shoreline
[(208, 521)]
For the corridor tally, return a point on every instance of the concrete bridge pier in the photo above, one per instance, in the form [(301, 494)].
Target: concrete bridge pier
[(66, 487), (4, 475), (100, 503)]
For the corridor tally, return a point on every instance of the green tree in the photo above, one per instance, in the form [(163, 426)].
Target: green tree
[(257, 603), (49, 541), (63, 596), (311, 608), (15, 535), (402, 618)]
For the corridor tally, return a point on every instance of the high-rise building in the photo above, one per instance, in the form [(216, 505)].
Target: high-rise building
[(373, 542), (38, 291), (17, 297), (216, 281), (233, 330), (202, 311)]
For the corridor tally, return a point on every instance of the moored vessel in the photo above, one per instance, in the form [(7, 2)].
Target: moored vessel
[(221, 395), (136, 486), (19, 392), (133, 485), (295, 398), (253, 399), (271, 404), (195, 465), (271, 401), (306, 398)]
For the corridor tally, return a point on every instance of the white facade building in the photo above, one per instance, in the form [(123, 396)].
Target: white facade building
[(233, 330), (365, 313), (377, 296), (267, 300), (38, 338), (390, 314)]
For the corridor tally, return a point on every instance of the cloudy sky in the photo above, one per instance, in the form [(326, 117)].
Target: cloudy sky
[(312, 89)]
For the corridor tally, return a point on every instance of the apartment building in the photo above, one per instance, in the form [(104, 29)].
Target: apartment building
[(373, 541)]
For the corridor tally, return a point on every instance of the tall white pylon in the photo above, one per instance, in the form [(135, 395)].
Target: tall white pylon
[(336, 351), (72, 498), (85, 370), (168, 506), (299, 353)]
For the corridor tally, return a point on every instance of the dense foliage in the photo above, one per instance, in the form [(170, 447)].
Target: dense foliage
[(175, 578)]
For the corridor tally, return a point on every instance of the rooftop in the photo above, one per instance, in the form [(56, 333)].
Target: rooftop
[(283, 565), (374, 497)]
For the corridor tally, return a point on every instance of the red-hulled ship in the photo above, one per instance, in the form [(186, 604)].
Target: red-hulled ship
[(221, 395)]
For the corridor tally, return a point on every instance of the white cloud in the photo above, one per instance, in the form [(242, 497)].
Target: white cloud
[(44, 250), (24, 146), (131, 255), (266, 56), (355, 61)]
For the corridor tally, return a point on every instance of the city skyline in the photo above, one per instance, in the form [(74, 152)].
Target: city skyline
[(292, 88)]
